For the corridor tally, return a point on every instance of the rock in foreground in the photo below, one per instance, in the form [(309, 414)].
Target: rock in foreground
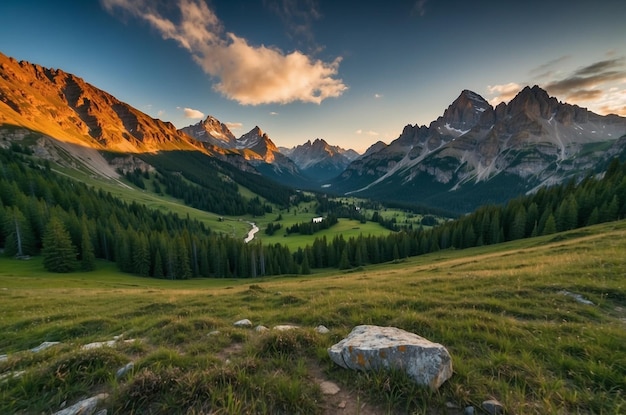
[(375, 348)]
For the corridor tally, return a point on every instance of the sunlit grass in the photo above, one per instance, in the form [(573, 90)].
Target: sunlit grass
[(502, 311)]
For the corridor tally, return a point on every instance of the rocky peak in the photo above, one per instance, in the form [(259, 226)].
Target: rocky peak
[(212, 131), (464, 113), (534, 103)]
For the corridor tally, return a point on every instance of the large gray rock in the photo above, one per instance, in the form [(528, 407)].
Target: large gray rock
[(375, 348), (84, 407)]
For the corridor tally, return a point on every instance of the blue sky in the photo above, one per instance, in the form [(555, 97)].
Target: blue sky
[(350, 72)]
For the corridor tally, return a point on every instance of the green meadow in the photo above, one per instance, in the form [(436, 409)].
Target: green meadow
[(508, 313)]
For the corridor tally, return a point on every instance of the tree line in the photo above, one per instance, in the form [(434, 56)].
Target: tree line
[(71, 224)]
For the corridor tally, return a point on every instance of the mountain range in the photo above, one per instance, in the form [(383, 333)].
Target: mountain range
[(476, 153), (471, 155)]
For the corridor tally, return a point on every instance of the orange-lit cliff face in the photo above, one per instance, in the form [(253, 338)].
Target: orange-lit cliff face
[(65, 107)]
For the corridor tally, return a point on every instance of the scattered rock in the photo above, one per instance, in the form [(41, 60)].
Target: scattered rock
[(469, 410), (493, 407), (374, 348), (342, 404), (452, 405), (260, 329), (97, 345), (329, 388), (4, 357), (322, 329), (16, 374), (109, 343), (579, 298), (84, 407), (286, 327), (214, 333), (124, 370), (43, 346), (243, 323)]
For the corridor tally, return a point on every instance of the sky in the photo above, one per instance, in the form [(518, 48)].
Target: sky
[(349, 72)]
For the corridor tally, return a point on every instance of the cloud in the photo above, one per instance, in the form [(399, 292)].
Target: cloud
[(590, 76), (419, 8), (233, 125), (248, 74), (191, 113), (599, 86), (273, 113), (298, 16), (549, 68), (378, 96), (504, 92), (370, 133)]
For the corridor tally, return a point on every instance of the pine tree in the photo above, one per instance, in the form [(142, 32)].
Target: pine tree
[(88, 258), (59, 255)]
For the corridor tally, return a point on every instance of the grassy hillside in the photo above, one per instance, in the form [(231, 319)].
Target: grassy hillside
[(507, 313)]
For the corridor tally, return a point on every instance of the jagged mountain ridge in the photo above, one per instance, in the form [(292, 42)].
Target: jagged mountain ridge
[(533, 140), (319, 160), (212, 131)]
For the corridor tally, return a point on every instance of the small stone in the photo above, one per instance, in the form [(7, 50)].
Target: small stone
[(214, 333), (286, 327), (260, 329), (98, 345), (493, 407), (329, 388), (124, 370), (322, 329), (4, 357), (342, 405), (469, 410), (243, 323), (452, 405), (43, 346)]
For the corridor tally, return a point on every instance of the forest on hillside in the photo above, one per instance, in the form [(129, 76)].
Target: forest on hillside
[(71, 224)]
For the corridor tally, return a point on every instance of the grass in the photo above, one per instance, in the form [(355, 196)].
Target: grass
[(500, 310)]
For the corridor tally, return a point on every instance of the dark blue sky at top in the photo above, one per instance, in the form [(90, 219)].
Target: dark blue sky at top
[(401, 62)]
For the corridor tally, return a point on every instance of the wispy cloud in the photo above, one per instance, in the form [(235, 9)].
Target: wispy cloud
[(370, 133), (599, 86), (378, 96), (273, 113), (191, 113), (233, 125), (248, 74), (419, 8), (298, 16), (503, 92)]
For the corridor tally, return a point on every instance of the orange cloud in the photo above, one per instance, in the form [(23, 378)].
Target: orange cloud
[(250, 75), (504, 92)]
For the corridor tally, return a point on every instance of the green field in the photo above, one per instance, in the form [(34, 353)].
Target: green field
[(507, 314)]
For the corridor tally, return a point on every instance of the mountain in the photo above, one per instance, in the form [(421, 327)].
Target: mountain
[(64, 119), (255, 147), (319, 160), (475, 154), (212, 131)]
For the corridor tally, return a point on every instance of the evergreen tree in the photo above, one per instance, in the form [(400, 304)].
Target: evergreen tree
[(59, 255), (550, 226), (88, 258)]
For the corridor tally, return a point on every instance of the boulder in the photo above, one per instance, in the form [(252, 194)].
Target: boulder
[(377, 348), (260, 329), (243, 323)]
